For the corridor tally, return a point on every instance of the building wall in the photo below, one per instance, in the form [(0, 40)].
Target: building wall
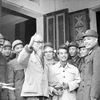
[(47, 6)]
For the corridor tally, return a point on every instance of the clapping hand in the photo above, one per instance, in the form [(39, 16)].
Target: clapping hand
[(58, 89), (65, 86), (58, 92)]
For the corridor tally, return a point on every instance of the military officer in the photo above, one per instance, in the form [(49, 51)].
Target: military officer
[(73, 53), (92, 66)]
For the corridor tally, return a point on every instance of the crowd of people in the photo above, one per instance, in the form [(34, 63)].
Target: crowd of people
[(36, 72)]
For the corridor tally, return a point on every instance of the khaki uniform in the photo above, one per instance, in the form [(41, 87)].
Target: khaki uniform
[(69, 74)]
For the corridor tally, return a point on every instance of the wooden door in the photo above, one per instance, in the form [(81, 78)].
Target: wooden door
[(56, 27), (78, 23)]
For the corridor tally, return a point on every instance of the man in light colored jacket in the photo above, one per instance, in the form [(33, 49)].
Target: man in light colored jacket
[(67, 74), (37, 77)]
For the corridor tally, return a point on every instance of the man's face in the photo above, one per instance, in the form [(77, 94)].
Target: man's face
[(72, 51), (48, 53), (38, 43), (18, 48), (89, 42), (62, 55), (6, 51), (83, 51)]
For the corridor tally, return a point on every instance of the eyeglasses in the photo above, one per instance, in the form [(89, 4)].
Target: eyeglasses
[(38, 41)]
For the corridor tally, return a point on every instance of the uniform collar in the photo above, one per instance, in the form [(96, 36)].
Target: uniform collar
[(75, 57), (51, 62), (92, 49), (66, 66)]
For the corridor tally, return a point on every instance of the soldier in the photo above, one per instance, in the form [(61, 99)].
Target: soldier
[(67, 74), (73, 53), (92, 69), (16, 73), (6, 49), (83, 54)]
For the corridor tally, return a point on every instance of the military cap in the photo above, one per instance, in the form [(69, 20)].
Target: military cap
[(73, 44), (91, 33), (7, 43), (16, 42), (1, 36), (48, 44), (79, 36), (63, 46)]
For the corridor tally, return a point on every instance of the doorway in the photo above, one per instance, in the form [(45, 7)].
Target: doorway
[(17, 26)]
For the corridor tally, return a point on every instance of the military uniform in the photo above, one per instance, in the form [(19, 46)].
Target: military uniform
[(81, 67), (92, 70), (3, 77), (75, 60)]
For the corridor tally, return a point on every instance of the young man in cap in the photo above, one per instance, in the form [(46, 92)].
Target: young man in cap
[(67, 74), (74, 58), (6, 49), (16, 73), (92, 69), (83, 54)]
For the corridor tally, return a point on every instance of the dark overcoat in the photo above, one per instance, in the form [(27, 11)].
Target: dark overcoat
[(80, 90), (92, 74), (3, 76)]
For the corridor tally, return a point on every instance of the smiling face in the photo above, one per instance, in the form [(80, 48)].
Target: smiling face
[(18, 48), (63, 55), (48, 53), (6, 51), (90, 42), (83, 51)]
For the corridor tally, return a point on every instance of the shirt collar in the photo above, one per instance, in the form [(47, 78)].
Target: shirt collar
[(66, 66)]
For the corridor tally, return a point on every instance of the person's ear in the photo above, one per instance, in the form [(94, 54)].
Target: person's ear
[(96, 40)]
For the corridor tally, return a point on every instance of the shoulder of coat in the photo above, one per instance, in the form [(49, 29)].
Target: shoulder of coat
[(72, 66)]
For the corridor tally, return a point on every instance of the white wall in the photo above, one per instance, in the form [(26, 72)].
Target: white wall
[(53, 5)]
